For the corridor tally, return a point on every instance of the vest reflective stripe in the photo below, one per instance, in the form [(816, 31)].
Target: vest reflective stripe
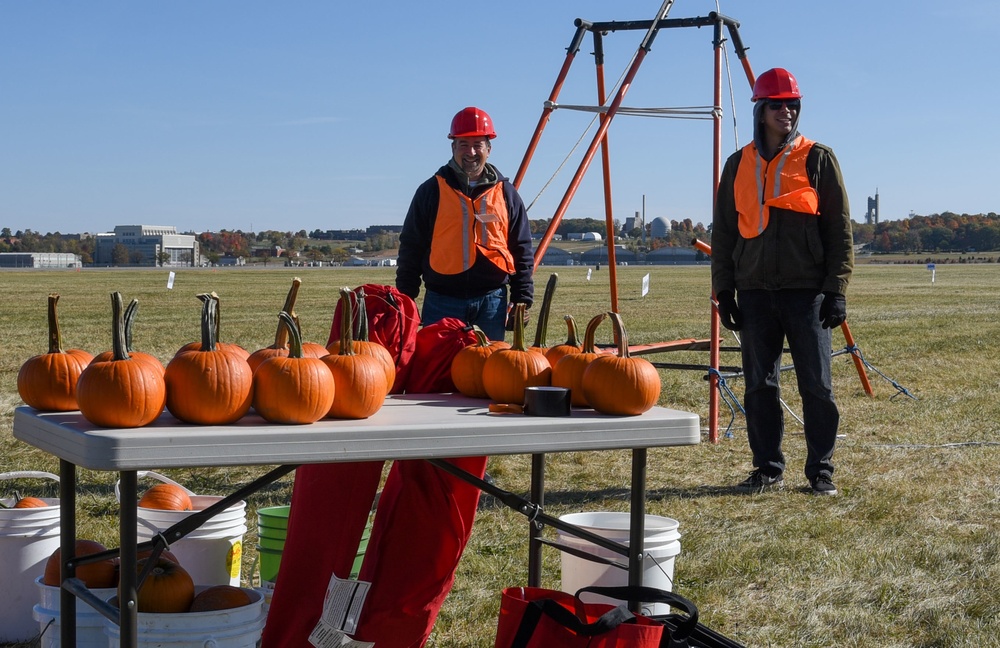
[(465, 228), (783, 182)]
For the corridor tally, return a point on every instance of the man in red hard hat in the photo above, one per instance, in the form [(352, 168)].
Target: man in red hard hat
[(466, 235), (782, 256)]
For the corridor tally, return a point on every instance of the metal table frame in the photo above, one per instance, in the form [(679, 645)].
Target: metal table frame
[(421, 426)]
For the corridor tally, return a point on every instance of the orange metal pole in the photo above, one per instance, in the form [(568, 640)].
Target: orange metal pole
[(858, 364), (571, 51), (606, 169)]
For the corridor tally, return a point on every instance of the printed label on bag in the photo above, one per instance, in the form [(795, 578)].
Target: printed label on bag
[(323, 636), (343, 602)]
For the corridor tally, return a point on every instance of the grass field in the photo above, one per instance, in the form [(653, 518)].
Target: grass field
[(907, 555)]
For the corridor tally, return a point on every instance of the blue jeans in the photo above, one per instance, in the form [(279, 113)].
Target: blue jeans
[(769, 317), (488, 312)]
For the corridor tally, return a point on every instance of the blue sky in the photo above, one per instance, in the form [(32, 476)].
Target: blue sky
[(242, 114)]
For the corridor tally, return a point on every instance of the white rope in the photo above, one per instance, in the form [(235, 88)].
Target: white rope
[(729, 77), (680, 112)]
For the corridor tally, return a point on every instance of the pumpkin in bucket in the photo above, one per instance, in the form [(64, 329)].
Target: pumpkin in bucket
[(166, 497), (94, 575), (168, 588), (220, 597)]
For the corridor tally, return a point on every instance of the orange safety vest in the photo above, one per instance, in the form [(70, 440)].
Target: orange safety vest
[(783, 182), (465, 227)]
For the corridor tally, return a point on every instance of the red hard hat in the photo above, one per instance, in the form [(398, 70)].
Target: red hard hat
[(776, 83), (471, 122)]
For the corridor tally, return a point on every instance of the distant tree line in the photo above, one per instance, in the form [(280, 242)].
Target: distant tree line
[(946, 232)]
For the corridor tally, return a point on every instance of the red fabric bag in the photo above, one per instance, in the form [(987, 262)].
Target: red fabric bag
[(437, 344), (532, 617), (393, 321)]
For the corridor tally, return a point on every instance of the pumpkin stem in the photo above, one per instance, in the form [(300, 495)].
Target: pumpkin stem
[(571, 339), (118, 346), (209, 321), (281, 335), (591, 333), (542, 326), (621, 337), (481, 339), (218, 310), (130, 311), (361, 331), (518, 315), (346, 333), (291, 327), (55, 334)]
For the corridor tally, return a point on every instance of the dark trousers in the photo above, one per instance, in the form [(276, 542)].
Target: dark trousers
[(769, 318)]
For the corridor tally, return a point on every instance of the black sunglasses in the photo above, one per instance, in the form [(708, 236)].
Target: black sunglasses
[(776, 104)]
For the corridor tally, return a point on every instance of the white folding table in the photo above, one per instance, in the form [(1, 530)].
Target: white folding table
[(409, 426)]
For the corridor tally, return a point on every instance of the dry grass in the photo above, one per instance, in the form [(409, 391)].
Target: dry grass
[(907, 555)]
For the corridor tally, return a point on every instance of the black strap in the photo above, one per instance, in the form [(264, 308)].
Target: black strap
[(567, 619), (677, 637)]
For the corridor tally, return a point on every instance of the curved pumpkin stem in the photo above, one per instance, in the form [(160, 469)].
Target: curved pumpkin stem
[(55, 334), (218, 310), (518, 314), (209, 320), (287, 323), (118, 345), (542, 325), (346, 332), (621, 337), (571, 336), (130, 311), (361, 329), (281, 334), (481, 339), (591, 333)]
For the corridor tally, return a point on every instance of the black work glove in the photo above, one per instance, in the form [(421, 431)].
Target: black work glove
[(729, 312), (833, 310), (509, 323)]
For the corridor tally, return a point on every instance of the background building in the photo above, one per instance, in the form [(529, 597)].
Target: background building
[(146, 245), (40, 260)]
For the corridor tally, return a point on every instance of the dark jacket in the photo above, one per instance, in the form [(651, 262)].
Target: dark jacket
[(483, 277), (795, 251)]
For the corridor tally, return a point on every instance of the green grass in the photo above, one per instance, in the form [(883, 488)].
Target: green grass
[(907, 555)]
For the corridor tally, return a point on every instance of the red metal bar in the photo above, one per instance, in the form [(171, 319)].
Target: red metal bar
[(602, 96)]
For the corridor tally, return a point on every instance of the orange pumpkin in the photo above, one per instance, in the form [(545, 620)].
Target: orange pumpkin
[(235, 349), (30, 502), (467, 365), (168, 588), (152, 360), (620, 384), (508, 371), (166, 497), (570, 346), (48, 381), (120, 392), (103, 573), (209, 386), (542, 323), (293, 389), (220, 597), (361, 385), (568, 370), (363, 345)]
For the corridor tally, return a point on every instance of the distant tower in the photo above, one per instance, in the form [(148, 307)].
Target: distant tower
[(871, 218)]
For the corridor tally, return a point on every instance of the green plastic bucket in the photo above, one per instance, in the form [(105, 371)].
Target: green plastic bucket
[(272, 530)]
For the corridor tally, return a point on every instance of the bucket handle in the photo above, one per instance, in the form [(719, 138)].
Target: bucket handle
[(155, 475), (28, 474)]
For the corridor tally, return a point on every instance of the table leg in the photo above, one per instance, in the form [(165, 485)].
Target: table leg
[(67, 542), (637, 531), (127, 597), (535, 527)]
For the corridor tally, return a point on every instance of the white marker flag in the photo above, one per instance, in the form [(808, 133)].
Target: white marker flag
[(645, 284), (589, 270), (170, 280)]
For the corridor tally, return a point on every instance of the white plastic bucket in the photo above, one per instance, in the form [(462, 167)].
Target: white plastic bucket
[(236, 628), (212, 553), (89, 622), (661, 544), (27, 538)]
